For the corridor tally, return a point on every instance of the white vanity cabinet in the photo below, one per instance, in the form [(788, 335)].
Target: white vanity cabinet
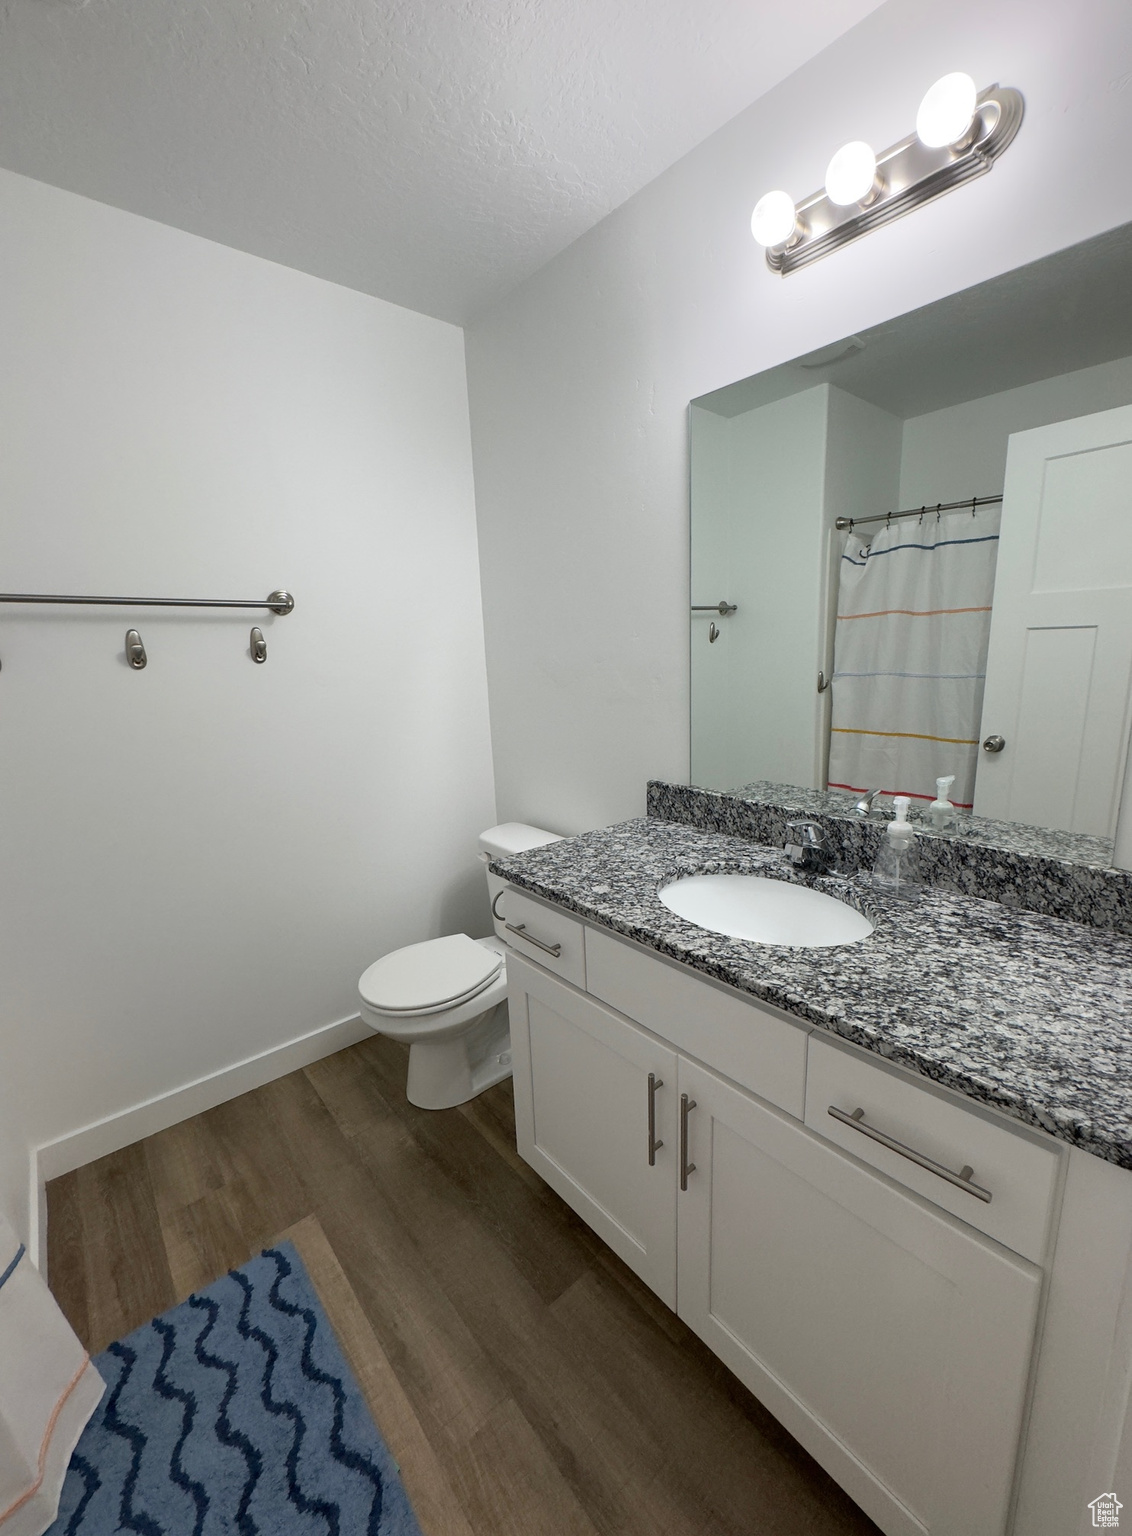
[(891, 1339), (892, 1342), (585, 1079)]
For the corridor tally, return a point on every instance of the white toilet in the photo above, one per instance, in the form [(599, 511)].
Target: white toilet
[(447, 998)]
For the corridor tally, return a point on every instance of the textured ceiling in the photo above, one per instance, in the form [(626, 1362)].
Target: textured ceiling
[(431, 152)]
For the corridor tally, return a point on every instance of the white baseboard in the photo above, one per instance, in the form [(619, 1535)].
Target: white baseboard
[(113, 1132)]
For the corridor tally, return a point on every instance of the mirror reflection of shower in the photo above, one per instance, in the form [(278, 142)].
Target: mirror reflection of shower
[(857, 657), (913, 609)]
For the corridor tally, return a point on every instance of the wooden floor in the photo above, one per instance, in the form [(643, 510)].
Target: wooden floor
[(526, 1381)]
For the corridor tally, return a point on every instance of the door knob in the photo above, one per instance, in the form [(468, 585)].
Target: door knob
[(994, 744)]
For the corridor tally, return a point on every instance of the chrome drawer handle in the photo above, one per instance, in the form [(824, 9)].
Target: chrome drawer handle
[(687, 1105), (521, 930), (961, 1180), (654, 1145)]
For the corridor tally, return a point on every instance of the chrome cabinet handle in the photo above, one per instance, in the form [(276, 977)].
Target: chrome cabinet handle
[(994, 743), (654, 1145), (521, 930), (687, 1105), (961, 1180)]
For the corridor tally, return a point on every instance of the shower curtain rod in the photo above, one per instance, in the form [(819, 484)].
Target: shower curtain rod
[(849, 523), (278, 602)]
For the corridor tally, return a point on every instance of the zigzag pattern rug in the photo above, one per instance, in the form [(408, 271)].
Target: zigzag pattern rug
[(234, 1413)]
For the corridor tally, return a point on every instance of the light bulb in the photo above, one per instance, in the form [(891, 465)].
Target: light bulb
[(851, 174), (946, 111), (775, 218)]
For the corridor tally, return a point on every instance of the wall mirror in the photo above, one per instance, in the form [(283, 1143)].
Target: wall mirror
[(917, 541)]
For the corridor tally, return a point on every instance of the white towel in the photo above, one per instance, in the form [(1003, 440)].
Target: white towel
[(48, 1391)]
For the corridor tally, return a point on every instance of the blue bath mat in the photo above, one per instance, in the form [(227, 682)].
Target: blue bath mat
[(234, 1413)]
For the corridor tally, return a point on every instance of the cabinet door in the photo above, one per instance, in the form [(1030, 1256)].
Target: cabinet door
[(582, 1095), (891, 1341)]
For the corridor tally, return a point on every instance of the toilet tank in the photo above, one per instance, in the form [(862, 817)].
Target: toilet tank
[(498, 843)]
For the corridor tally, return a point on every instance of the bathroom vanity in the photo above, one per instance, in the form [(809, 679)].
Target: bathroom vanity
[(888, 1183)]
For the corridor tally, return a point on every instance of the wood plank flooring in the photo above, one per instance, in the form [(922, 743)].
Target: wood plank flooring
[(526, 1381)]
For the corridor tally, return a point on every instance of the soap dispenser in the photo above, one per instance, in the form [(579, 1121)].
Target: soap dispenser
[(897, 869), (941, 813)]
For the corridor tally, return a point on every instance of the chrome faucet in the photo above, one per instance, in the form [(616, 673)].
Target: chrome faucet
[(866, 802), (805, 847)]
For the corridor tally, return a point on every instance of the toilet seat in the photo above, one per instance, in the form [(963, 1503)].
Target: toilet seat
[(425, 978)]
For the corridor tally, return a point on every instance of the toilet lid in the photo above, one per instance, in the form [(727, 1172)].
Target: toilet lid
[(435, 974)]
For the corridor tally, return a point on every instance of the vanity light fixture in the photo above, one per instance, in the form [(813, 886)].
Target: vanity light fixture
[(946, 112), (960, 133), (851, 176), (774, 219)]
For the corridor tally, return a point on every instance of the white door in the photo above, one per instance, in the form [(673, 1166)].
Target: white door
[(1060, 656), (584, 1082), (893, 1342)]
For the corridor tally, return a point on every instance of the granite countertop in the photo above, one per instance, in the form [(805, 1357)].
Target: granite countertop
[(1029, 1013), (1011, 837)]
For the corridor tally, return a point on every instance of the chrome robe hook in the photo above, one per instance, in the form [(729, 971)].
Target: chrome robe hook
[(135, 650), (258, 644)]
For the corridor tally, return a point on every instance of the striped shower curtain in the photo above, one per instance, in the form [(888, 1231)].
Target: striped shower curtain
[(910, 653)]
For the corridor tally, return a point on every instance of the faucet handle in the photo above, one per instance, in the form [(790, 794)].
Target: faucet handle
[(806, 846), (811, 834)]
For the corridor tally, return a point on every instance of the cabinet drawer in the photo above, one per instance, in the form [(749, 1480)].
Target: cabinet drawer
[(1017, 1171), (544, 934), (754, 1048)]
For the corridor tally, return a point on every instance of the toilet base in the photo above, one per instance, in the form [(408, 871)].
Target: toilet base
[(445, 1073)]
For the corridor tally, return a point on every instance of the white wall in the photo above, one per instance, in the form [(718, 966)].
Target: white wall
[(200, 859), (767, 487), (580, 379), (961, 450), (862, 476), (755, 718), (714, 723)]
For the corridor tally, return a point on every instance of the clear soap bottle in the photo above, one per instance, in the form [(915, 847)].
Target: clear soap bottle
[(897, 869)]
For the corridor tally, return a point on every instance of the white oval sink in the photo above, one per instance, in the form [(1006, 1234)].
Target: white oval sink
[(767, 911)]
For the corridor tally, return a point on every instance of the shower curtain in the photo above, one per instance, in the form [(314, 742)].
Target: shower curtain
[(910, 653), (48, 1390)]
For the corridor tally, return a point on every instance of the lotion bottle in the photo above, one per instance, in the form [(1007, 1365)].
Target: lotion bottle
[(897, 869)]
